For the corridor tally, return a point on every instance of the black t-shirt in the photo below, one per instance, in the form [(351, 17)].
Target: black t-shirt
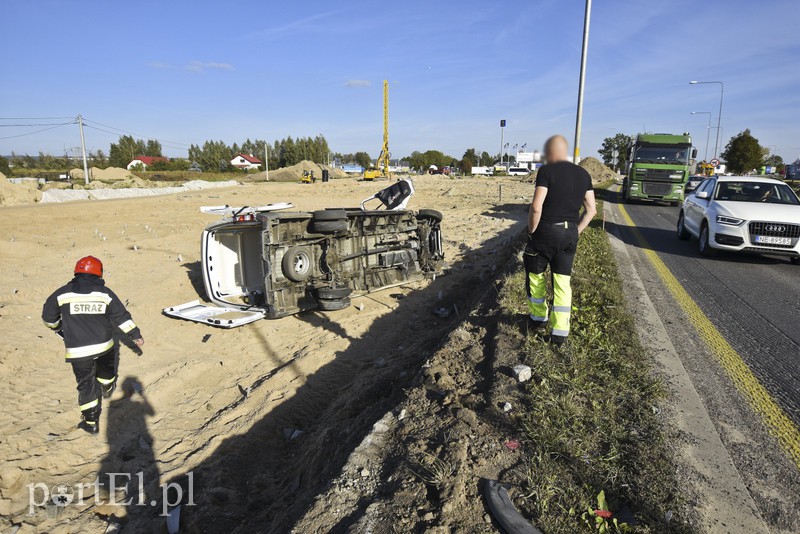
[(566, 185)]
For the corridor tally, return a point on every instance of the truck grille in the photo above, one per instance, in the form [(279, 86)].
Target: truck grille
[(773, 229), (659, 175), (656, 189)]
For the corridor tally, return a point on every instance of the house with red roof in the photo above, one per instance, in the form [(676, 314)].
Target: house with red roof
[(145, 161), (246, 162)]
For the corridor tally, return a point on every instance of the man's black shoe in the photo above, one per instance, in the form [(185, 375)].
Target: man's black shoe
[(533, 324), (558, 340), (92, 427)]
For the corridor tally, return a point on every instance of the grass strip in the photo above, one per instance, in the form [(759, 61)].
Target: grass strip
[(591, 421)]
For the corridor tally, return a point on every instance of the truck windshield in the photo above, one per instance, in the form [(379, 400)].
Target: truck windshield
[(757, 192), (662, 154)]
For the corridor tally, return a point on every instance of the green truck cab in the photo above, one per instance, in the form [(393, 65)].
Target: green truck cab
[(658, 167)]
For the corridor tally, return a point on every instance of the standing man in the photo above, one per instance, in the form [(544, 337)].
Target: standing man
[(84, 314), (554, 223)]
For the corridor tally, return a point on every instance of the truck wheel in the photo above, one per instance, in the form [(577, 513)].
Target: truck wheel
[(683, 233), (704, 242), (329, 215), (675, 203), (333, 293), (297, 264), (333, 305), (430, 214), (329, 227)]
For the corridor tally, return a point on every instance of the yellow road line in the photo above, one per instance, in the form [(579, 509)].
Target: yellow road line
[(743, 378)]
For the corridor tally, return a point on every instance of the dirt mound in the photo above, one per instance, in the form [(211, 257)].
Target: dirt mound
[(13, 194), (110, 174), (293, 173), (598, 171)]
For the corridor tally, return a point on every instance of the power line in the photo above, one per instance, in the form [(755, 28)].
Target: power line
[(37, 131), (33, 118), (27, 125), (137, 134)]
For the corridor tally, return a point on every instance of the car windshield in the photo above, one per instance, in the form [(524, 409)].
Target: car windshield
[(756, 192), (662, 154)]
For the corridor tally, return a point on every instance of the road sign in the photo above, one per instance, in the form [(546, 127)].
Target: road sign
[(503, 123), (714, 162), (615, 153)]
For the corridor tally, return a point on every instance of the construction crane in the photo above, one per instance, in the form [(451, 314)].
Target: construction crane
[(382, 170)]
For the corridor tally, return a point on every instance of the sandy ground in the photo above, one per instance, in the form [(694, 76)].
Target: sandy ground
[(218, 406)]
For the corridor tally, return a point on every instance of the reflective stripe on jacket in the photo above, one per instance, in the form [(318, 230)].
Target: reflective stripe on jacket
[(87, 312)]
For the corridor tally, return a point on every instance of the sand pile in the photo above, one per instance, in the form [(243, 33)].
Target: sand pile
[(110, 174), (295, 172), (13, 194), (598, 171)]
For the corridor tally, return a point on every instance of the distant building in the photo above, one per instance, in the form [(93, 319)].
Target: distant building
[(246, 162), (145, 161)]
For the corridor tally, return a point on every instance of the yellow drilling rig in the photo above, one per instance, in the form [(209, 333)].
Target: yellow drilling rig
[(382, 166)]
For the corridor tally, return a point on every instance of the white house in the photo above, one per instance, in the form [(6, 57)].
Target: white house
[(246, 162), (145, 161)]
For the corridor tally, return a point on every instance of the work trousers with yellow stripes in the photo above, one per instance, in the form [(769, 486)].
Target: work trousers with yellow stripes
[(552, 245), (92, 372)]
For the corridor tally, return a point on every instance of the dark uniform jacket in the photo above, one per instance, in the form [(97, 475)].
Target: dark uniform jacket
[(87, 312)]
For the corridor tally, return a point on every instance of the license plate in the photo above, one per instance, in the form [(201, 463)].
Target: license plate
[(769, 240)]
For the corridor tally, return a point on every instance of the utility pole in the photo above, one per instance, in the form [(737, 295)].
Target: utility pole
[(502, 129), (719, 117), (266, 159), (577, 149), (83, 151)]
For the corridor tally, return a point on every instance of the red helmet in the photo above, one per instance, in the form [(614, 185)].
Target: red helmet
[(89, 265)]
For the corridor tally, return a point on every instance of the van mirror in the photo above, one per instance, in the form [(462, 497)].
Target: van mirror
[(702, 194)]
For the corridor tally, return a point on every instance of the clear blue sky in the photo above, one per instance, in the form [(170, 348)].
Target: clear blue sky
[(184, 72)]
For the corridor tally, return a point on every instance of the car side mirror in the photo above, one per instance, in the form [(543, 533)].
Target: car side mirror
[(694, 153), (703, 195)]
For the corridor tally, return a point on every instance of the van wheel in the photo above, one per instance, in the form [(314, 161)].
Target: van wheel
[(333, 305), (297, 264), (333, 293), (430, 214), (683, 233), (704, 242)]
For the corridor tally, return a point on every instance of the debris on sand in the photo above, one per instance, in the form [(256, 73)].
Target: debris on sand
[(522, 373)]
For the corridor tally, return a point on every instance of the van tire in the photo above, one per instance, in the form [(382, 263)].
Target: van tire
[(297, 264), (333, 293), (329, 215), (430, 214), (329, 227), (333, 305)]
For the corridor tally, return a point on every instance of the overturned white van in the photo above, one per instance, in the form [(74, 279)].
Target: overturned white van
[(264, 262)]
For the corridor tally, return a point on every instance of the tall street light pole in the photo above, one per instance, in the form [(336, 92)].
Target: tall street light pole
[(587, 16), (708, 130), (502, 129), (719, 118)]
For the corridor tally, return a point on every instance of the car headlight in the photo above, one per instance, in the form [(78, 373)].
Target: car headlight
[(730, 221)]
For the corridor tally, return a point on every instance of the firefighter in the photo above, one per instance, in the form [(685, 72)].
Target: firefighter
[(84, 314), (554, 223)]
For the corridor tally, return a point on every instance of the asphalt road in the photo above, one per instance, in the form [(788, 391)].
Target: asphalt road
[(754, 301)]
